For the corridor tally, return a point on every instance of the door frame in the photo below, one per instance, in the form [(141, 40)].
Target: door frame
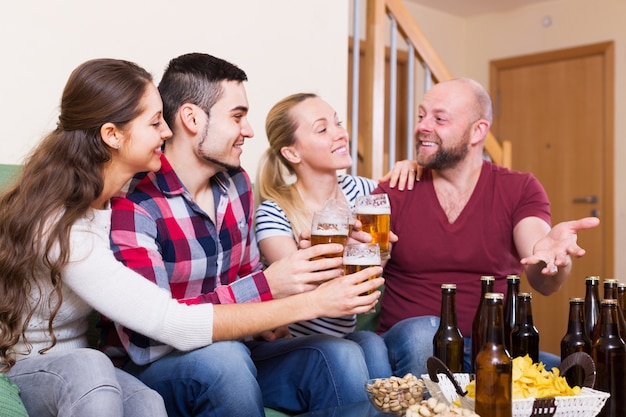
[(607, 51)]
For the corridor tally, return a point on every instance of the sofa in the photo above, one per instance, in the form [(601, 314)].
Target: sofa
[(8, 174)]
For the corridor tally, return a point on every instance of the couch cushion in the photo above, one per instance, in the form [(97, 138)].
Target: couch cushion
[(10, 402), (8, 173)]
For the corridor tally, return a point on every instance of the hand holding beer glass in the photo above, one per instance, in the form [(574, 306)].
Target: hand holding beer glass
[(359, 256), (374, 213), (330, 226)]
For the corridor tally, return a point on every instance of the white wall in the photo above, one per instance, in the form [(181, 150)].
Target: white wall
[(285, 46)]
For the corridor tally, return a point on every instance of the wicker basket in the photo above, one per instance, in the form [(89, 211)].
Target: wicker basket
[(586, 404)]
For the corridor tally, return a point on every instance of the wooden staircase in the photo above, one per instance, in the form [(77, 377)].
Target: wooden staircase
[(376, 101)]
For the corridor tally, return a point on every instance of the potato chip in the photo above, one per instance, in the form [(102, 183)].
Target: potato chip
[(533, 380)]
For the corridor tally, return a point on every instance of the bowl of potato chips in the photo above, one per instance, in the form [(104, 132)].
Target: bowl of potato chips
[(534, 388)]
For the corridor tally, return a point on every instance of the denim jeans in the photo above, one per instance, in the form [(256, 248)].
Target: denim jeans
[(374, 351), (82, 382), (410, 343), (216, 380), (310, 372), (236, 379)]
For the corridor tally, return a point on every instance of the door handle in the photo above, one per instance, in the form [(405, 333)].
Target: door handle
[(590, 199)]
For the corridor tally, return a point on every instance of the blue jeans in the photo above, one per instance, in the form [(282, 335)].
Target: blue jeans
[(82, 382), (410, 343), (236, 379), (374, 352), (216, 380), (308, 373)]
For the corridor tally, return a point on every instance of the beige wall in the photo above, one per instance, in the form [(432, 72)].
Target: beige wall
[(467, 46), (285, 46)]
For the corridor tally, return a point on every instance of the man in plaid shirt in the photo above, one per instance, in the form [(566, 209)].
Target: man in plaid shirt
[(188, 228)]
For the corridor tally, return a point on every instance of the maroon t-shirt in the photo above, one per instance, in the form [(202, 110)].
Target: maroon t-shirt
[(430, 251)]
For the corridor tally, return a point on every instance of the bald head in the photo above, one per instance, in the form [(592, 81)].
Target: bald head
[(468, 94)]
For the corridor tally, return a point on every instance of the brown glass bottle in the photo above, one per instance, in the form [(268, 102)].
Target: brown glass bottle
[(592, 305), (493, 365), (525, 336), (609, 355), (510, 308), (621, 296), (448, 342), (611, 293), (479, 322), (575, 340)]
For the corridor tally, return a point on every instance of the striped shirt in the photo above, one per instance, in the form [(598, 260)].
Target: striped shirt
[(271, 221), (158, 230)]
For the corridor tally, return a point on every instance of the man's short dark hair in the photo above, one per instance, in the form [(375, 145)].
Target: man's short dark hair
[(195, 78)]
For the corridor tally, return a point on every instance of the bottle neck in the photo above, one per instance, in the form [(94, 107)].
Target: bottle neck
[(592, 290), (525, 316), (576, 319), (448, 308), (495, 322), (609, 326), (610, 292)]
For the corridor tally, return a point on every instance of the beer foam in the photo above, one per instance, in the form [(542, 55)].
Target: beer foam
[(361, 260), (373, 210), (330, 232)]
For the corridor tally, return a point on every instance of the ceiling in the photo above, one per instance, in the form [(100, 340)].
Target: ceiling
[(466, 8)]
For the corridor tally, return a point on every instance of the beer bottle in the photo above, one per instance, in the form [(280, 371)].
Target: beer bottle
[(448, 343), (575, 340), (609, 355), (525, 336), (592, 305), (610, 293), (493, 365), (510, 308), (621, 296), (478, 325)]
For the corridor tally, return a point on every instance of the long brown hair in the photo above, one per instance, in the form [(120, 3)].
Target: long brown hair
[(273, 182), (61, 177)]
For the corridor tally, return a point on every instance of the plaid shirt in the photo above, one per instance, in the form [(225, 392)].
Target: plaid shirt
[(159, 231)]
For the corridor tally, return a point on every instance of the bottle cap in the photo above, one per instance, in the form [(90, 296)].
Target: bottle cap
[(448, 286), (494, 296)]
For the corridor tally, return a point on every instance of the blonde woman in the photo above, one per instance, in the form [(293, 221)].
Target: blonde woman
[(309, 144)]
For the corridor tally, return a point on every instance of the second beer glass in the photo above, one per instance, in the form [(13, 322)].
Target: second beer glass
[(330, 227), (374, 213), (359, 256)]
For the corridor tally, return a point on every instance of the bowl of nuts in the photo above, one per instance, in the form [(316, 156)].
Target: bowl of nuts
[(394, 395)]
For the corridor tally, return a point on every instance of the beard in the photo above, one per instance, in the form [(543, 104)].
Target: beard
[(208, 158), (444, 158)]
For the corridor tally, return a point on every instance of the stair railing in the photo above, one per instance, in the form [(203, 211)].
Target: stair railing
[(377, 97)]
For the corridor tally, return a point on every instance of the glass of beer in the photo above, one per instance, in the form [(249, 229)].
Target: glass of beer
[(330, 227), (359, 256), (374, 213)]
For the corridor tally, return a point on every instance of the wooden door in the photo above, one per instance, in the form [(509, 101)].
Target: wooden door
[(556, 108)]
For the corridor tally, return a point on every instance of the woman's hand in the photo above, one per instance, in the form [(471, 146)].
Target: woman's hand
[(403, 174)]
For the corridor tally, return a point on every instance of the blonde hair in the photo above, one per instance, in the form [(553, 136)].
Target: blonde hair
[(274, 175)]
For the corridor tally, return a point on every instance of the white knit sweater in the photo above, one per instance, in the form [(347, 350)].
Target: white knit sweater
[(95, 279)]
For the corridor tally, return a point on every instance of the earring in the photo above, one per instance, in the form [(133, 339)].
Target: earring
[(117, 146)]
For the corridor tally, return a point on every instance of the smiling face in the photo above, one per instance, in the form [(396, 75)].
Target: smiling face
[(226, 129), (321, 142), (447, 116), (142, 138)]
